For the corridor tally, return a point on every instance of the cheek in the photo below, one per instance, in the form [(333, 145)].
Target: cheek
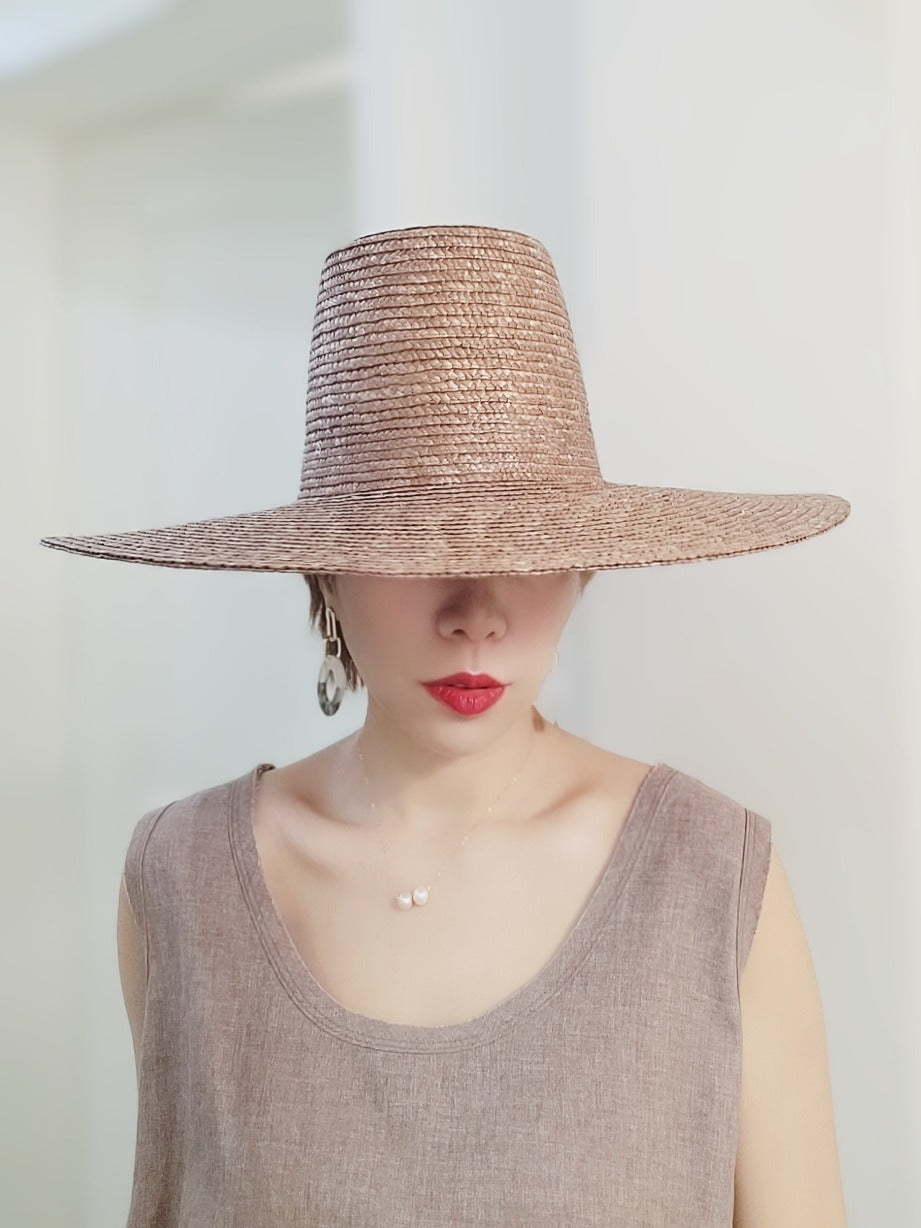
[(551, 614), (388, 633), (538, 629)]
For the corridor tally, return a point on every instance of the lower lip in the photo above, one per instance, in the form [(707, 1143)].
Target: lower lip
[(468, 701)]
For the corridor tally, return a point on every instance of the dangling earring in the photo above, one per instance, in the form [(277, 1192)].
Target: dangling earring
[(332, 669)]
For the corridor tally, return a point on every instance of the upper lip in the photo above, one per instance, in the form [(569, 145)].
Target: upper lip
[(466, 680)]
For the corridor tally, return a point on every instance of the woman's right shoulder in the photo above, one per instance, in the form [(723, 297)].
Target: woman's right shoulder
[(310, 784), (176, 824)]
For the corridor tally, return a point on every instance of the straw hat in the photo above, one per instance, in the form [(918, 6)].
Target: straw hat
[(448, 433)]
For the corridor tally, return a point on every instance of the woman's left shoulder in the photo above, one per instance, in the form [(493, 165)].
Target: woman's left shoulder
[(597, 763), (603, 774)]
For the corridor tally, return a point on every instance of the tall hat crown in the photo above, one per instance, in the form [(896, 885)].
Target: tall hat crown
[(442, 355)]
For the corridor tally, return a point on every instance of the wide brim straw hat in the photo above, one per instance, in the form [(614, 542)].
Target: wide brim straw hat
[(448, 434)]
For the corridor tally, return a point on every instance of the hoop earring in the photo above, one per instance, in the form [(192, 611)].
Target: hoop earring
[(332, 669)]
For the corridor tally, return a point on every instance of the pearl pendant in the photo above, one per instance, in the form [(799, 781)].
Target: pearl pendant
[(418, 896)]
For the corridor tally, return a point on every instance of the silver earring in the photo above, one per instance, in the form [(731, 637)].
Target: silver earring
[(332, 669)]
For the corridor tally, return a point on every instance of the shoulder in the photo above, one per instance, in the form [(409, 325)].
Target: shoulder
[(689, 799), (705, 827), (698, 829), (594, 770), (171, 833), (187, 809)]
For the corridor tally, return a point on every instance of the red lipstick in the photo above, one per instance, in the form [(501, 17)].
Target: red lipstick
[(468, 694), (465, 679)]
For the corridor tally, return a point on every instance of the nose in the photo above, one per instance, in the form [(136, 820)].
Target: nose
[(472, 609)]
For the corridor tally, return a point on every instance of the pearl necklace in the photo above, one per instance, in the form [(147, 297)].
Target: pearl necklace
[(419, 896)]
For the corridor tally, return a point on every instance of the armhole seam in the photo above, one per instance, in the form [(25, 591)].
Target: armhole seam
[(145, 929), (744, 884), (134, 915)]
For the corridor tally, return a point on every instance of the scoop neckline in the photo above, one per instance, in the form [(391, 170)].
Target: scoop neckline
[(309, 996)]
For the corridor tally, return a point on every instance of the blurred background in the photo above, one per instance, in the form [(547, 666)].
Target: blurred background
[(731, 195)]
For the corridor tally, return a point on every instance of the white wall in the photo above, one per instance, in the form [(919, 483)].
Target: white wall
[(43, 1035), (730, 196), (904, 248), (157, 301), (194, 248), (738, 208)]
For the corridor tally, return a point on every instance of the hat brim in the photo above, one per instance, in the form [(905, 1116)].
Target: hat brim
[(489, 529)]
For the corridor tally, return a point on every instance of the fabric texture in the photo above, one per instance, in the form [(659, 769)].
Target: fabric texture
[(604, 1091)]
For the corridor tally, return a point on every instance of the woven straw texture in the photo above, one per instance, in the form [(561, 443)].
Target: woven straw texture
[(448, 433)]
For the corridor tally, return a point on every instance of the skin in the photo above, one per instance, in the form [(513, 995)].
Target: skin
[(432, 766), (433, 770)]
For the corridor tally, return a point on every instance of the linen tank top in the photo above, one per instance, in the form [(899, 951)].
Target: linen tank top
[(603, 1091)]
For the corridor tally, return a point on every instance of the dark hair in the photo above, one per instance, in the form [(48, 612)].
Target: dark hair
[(316, 620)]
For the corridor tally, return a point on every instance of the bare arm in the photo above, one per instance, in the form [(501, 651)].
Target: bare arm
[(787, 1169), (131, 968)]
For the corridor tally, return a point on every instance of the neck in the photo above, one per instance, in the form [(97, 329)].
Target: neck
[(418, 787)]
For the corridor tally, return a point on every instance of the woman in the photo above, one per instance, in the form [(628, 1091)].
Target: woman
[(463, 967)]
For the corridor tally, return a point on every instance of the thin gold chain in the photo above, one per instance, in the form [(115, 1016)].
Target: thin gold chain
[(470, 829)]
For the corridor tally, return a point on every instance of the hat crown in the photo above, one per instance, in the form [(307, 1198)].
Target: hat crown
[(443, 355)]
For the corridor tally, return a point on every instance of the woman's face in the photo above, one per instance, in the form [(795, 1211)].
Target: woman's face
[(404, 632)]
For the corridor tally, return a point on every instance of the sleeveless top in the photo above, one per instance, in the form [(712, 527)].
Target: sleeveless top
[(604, 1091)]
